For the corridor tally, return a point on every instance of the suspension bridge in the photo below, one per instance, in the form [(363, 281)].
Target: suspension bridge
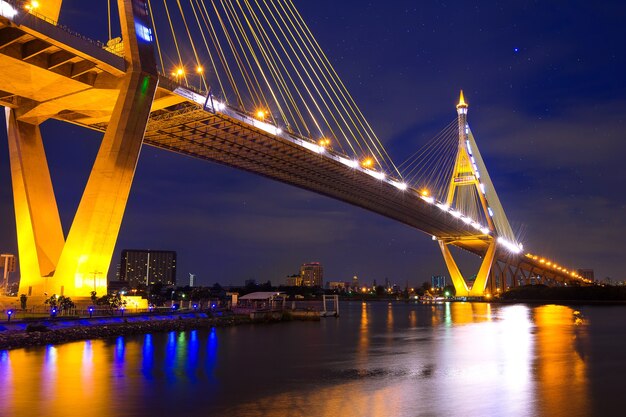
[(243, 83)]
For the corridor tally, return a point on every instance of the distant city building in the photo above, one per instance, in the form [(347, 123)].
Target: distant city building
[(338, 285), (438, 281), (192, 278), (312, 274), (587, 274), (148, 267), (294, 281), (355, 282), (7, 263)]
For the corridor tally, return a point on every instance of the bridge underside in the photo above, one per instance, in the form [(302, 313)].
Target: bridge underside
[(48, 73)]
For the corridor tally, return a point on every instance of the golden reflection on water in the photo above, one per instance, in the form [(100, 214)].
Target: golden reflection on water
[(364, 338), (390, 317), (413, 318), (561, 371), (35, 392), (344, 400), (465, 312)]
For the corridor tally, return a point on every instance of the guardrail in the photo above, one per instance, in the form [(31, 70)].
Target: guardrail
[(20, 7)]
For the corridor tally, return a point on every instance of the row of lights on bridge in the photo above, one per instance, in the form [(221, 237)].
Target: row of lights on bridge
[(555, 266), (369, 163), (180, 71), (263, 114), (324, 142)]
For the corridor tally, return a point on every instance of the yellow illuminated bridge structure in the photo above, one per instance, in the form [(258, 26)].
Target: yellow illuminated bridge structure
[(242, 83)]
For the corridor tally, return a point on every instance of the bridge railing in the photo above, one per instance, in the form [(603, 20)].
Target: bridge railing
[(19, 5)]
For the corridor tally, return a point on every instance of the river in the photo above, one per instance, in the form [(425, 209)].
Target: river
[(377, 359)]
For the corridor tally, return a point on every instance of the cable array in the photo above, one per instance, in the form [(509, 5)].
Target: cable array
[(430, 167), (261, 57), (429, 170)]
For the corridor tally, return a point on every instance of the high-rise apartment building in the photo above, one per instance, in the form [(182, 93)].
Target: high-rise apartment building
[(312, 274), (148, 267)]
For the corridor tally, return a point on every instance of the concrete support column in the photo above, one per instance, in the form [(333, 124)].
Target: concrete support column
[(460, 285), (89, 248), (490, 283), (39, 234), (478, 289)]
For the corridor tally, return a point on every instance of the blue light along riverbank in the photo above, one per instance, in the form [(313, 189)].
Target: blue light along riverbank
[(377, 359)]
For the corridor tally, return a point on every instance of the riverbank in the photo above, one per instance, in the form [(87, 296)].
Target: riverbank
[(38, 333)]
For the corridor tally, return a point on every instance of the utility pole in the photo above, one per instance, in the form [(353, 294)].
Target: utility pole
[(95, 273)]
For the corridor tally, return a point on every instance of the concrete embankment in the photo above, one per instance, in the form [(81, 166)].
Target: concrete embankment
[(38, 333)]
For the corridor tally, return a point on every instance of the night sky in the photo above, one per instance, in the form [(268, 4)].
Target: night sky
[(547, 94)]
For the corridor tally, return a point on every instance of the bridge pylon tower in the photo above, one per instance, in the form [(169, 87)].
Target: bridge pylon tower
[(465, 174), (50, 263)]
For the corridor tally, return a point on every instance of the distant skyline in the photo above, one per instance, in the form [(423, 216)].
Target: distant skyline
[(547, 104)]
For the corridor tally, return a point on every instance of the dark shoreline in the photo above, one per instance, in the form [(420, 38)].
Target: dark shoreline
[(17, 339)]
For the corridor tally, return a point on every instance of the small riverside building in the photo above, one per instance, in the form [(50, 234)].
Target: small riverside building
[(263, 300)]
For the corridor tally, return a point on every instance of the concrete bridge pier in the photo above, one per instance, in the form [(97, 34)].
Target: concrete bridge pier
[(76, 266)]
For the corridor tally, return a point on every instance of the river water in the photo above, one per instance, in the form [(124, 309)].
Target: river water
[(377, 359)]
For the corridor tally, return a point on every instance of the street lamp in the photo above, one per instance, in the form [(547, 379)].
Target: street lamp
[(261, 114), (90, 309), (368, 163), (9, 314), (53, 312), (178, 72), (324, 142), (32, 6), (200, 72)]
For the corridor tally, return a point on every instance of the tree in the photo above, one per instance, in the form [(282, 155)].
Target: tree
[(65, 303), (94, 296), (52, 301), (112, 301), (450, 290), (61, 302)]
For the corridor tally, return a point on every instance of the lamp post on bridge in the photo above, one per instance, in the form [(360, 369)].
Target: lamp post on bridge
[(200, 72)]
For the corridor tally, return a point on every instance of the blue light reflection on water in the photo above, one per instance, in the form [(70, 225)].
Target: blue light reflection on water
[(211, 354), (191, 364), (6, 376), (120, 348), (49, 372), (169, 365), (147, 363)]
